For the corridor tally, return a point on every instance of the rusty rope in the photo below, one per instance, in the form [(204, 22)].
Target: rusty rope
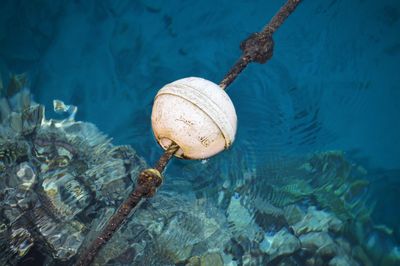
[(147, 183), (258, 47)]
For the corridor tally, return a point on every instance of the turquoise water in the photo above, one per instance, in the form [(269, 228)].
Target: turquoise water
[(332, 84)]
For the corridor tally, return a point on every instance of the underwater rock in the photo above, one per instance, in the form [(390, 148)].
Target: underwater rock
[(344, 245), (310, 261), (194, 261), (327, 251), (314, 240), (65, 193), (57, 178), (393, 258), (210, 227), (269, 217), (5, 109), (23, 116), (26, 176), (293, 214), (281, 244), (213, 258), (342, 261), (15, 120), (168, 229), (179, 240), (61, 180), (244, 250), (20, 241), (33, 118), (16, 83), (238, 215), (234, 249), (359, 254), (317, 221), (250, 259), (63, 238), (61, 108), (288, 261)]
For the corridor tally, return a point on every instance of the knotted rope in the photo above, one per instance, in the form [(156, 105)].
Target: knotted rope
[(258, 47)]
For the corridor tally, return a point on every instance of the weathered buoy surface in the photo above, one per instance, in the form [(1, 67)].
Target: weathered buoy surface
[(196, 114)]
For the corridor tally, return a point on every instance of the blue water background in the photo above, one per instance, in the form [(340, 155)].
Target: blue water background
[(333, 82)]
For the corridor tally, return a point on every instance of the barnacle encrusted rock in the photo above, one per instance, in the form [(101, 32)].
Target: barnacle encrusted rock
[(56, 178), (317, 221), (281, 244)]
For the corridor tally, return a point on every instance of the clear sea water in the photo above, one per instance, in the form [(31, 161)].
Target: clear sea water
[(332, 84)]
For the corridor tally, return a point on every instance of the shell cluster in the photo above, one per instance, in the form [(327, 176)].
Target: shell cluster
[(55, 178)]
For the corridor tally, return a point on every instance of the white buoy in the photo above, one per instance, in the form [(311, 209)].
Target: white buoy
[(197, 115)]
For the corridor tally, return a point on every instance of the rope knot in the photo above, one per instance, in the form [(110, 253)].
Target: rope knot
[(149, 179), (258, 47)]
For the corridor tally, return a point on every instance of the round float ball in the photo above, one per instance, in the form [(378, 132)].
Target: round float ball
[(197, 115)]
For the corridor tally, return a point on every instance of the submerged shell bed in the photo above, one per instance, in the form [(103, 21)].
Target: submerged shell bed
[(56, 178), (60, 181)]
